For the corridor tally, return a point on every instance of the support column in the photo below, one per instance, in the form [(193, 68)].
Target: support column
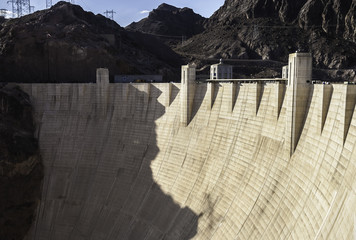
[(280, 91), (258, 96), (168, 95), (102, 81), (147, 90), (187, 92), (233, 94), (325, 103), (102, 76), (299, 78), (349, 107), (210, 94)]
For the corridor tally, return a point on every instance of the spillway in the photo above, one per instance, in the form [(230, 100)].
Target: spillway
[(119, 163)]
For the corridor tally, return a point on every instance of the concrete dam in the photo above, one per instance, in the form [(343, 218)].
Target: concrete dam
[(217, 160)]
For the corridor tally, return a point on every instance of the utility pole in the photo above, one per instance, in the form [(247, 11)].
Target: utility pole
[(20, 7), (109, 14), (48, 3)]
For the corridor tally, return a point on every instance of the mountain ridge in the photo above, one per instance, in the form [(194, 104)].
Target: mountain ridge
[(271, 29), (66, 44), (170, 23)]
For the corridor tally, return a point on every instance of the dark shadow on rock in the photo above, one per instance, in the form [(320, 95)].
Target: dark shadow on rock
[(21, 171)]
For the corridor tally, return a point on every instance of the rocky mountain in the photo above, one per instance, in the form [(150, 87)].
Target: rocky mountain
[(271, 29), (170, 24), (335, 17), (21, 170), (67, 44)]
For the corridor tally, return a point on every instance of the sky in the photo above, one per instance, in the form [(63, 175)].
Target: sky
[(128, 11)]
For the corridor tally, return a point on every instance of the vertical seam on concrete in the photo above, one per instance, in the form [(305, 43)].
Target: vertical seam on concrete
[(326, 216), (236, 192)]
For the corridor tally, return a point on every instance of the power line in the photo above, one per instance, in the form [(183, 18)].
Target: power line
[(254, 27), (167, 36), (109, 14)]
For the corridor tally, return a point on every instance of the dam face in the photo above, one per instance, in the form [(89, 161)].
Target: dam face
[(219, 160), (120, 163)]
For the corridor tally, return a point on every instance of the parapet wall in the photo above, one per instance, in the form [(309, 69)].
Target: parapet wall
[(120, 165)]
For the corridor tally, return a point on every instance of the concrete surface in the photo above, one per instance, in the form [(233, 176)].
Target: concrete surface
[(120, 165)]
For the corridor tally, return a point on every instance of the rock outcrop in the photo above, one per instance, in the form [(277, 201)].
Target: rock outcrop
[(170, 24), (67, 44), (271, 29), (21, 170), (334, 16)]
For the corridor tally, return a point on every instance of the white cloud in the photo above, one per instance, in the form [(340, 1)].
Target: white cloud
[(144, 11), (6, 13)]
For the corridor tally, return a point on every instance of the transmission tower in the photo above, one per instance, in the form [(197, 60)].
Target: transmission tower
[(20, 7), (109, 14), (48, 3)]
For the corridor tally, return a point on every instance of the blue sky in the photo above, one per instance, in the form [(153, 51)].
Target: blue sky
[(133, 10)]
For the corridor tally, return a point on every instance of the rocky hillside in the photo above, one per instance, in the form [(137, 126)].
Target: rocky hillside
[(21, 170), (170, 24), (335, 17), (67, 44), (271, 29)]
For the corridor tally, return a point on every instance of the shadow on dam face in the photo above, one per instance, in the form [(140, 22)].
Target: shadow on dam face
[(119, 163), (97, 150)]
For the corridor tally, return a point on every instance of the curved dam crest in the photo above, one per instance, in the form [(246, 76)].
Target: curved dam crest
[(206, 161)]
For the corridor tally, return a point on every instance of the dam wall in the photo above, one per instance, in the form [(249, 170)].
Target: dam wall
[(120, 163)]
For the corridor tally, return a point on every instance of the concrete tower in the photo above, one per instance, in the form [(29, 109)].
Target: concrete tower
[(220, 71), (299, 78), (300, 69), (187, 92), (102, 76), (102, 90)]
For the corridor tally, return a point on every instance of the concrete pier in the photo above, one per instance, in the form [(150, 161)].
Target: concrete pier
[(188, 91), (299, 85)]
